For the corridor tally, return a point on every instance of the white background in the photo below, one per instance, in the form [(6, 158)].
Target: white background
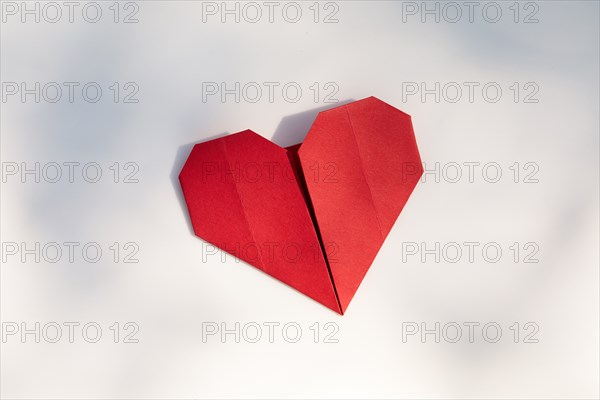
[(375, 48)]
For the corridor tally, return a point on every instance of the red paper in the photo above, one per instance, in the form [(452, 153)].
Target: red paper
[(313, 215)]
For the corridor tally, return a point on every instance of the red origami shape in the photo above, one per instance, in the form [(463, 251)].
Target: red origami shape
[(313, 215)]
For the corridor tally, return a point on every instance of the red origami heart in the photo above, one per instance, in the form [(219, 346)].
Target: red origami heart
[(313, 215)]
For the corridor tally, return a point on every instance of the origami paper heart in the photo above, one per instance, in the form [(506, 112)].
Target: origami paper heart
[(313, 215)]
